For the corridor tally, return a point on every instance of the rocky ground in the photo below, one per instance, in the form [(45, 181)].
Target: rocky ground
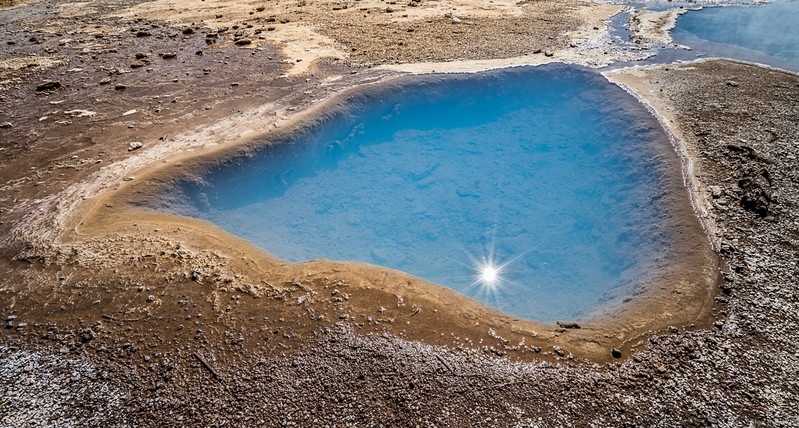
[(146, 324)]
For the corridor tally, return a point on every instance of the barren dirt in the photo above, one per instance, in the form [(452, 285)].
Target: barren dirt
[(120, 316)]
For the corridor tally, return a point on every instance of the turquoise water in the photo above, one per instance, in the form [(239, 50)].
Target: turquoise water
[(768, 34), (553, 176)]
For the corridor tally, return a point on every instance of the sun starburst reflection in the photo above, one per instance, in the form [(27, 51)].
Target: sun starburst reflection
[(489, 274)]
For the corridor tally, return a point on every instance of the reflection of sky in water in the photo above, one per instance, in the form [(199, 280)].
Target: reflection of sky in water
[(535, 191), (767, 33)]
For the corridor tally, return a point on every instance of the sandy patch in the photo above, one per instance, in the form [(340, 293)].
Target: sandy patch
[(12, 69), (412, 33)]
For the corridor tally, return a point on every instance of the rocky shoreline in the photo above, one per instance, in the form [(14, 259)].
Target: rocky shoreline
[(139, 325)]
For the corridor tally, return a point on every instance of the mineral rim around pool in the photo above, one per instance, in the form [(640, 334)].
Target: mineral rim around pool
[(546, 193)]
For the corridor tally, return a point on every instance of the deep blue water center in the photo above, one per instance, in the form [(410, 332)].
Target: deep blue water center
[(767, 33), (553, 175)]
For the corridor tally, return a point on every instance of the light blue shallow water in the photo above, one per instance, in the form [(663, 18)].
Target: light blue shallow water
[(767, 34), (554, 171)]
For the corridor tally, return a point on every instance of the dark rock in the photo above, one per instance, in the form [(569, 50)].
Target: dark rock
[(756, 187), (568, 324), (142, 33), (48, 85), (120, 87), (138, 64), (142, 55), (243, 42), (86, 335), (188, 31), (615, 353)]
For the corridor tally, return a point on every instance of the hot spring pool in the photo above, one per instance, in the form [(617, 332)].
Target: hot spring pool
[(767, 33), (542, 192)]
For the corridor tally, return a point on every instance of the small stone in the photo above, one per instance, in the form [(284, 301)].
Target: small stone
[(120, 87), (150, 298), (86, 336), (142, 55), (732, 83), (572, 325), (168, 55), (242, 42), (5, 125), (27, 368), (615, 353), (456, 20), (188, 31), (48, 85), (196, 274), (135, 145), (715, 191), (549, 54), (138, 64), (142, 33), (105, 81)]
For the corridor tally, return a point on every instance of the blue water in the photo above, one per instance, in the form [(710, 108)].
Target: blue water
[(552, 171), (767, 34)]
